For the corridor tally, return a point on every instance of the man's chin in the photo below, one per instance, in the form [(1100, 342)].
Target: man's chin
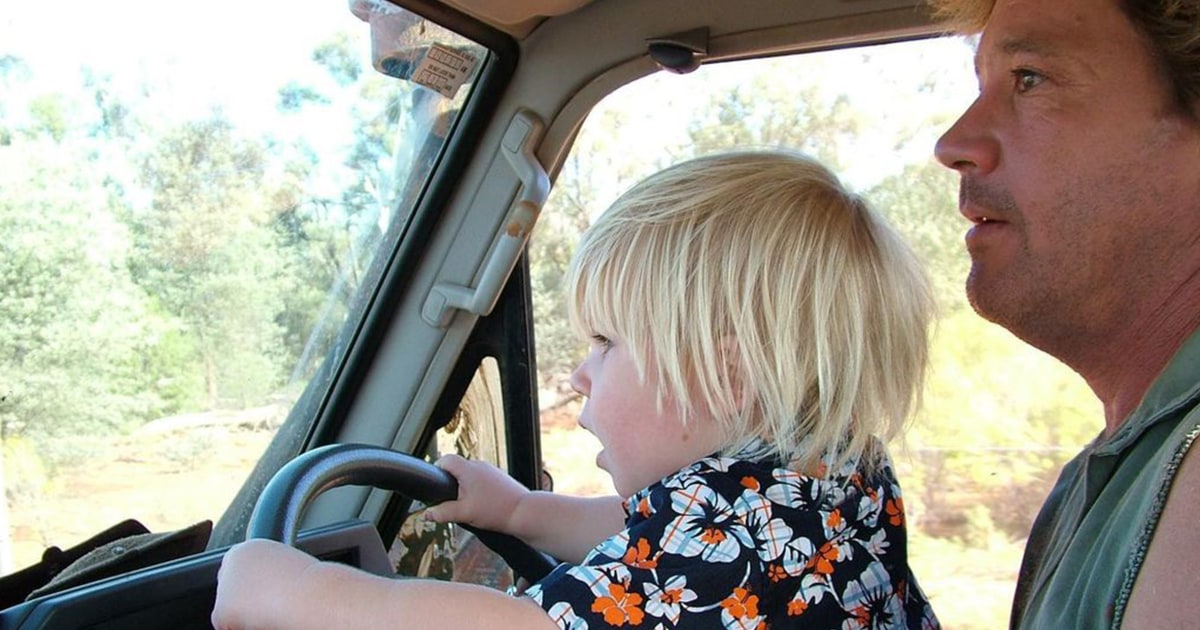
[(988, 301)]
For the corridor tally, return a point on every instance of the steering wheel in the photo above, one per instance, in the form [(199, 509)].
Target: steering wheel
[(277, 514)]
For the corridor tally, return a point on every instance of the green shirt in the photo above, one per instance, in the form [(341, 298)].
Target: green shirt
[(1090, 539)]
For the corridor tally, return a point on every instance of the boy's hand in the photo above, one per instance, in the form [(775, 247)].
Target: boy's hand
[(487, 497), (256, 585)]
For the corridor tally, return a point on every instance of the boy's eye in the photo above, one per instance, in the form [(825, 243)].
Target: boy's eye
[(602, 341), (1026, 79)]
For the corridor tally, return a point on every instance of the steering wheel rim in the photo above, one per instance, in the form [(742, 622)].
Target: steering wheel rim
[(277, 513)]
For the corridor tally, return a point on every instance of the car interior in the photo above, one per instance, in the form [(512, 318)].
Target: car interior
[(436, 345)]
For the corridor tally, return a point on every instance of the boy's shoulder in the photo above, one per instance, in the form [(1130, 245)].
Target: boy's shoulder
[(740, 487)]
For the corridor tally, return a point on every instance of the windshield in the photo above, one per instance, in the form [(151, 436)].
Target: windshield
[(193, 220)]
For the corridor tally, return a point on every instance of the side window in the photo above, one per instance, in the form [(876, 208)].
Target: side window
[(191, 235), (999, 418), (476, 431), (486, 414)]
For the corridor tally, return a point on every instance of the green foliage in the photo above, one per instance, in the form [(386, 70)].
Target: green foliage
[(550, 249), (766, 113), (339, 56), (64, 294), (293, 97), (205, 249), (115, 119), (922, 203), (327, 243), (995, 432), (49, 117), (152, 269)]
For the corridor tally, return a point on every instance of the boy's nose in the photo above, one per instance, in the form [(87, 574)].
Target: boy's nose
[(579, 381)]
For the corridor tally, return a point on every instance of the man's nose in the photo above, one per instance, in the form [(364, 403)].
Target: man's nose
[(969, 146)]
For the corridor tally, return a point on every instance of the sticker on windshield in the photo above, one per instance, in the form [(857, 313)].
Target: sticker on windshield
[(444, 69)]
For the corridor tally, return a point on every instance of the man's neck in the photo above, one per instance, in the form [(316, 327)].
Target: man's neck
[(1124, 369)]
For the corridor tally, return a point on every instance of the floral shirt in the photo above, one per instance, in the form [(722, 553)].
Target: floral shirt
[(730, 543)]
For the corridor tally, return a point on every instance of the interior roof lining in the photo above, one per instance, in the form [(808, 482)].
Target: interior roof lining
[(860, 30)]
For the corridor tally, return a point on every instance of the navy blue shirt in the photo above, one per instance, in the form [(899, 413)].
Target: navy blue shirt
[(730, 543)]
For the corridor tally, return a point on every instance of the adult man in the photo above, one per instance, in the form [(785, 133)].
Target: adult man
[(1080, 169)]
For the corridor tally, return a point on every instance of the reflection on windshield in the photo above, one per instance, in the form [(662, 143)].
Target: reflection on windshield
[(189, 229)]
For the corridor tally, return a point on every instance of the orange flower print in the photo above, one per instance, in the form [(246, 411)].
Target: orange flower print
[(639, 556), (643, 507), (750, 483), (741, 605), (622, 607), (776, 572), (822, 562), (834, 520), (712, 536), (895, 511), (796, 607)]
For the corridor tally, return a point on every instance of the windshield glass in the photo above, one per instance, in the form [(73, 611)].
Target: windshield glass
[(193, 220)]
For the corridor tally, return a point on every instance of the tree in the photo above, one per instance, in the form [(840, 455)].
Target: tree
[(994, 432), (49, 116), (205, 250), (13, 70), (64, 294), (922, 204), (767, 113), (332, 237)]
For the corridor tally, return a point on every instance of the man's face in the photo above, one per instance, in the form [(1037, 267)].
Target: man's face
[(1080, 178)]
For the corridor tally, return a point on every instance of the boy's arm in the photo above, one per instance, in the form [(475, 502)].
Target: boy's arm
[(565, 527), (265, 585)]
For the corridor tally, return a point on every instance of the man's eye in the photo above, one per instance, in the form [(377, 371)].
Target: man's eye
[(1026, 79)]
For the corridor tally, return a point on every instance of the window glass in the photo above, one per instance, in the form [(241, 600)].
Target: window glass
[(999, 418), (193, 220)]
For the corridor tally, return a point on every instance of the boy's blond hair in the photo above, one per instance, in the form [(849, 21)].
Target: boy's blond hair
[(754, 286)]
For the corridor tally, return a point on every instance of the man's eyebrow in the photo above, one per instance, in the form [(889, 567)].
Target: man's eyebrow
[(1012, 45), (1039, 46)]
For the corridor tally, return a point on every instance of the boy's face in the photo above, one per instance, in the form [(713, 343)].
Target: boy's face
[(641, 444)]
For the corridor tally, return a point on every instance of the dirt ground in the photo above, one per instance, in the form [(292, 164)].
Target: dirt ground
[(166, 482)]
